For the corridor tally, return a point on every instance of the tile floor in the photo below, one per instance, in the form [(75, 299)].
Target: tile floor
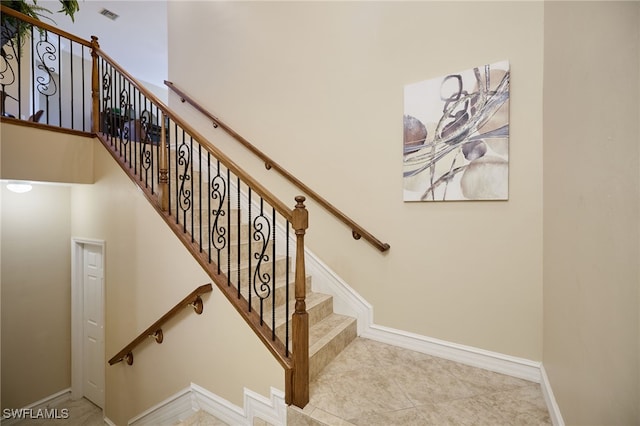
[(371, 383)]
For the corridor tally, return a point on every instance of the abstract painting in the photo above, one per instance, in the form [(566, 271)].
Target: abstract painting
[(456, 136)]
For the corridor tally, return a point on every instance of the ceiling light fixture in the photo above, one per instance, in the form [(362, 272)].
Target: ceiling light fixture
[(19, 187)]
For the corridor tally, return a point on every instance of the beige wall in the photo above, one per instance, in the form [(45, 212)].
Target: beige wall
[(319, 87), (36, 293), (147, 272), (41, 155), (591, 193)]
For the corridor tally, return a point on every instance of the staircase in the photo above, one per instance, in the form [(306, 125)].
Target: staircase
[(329, 332)]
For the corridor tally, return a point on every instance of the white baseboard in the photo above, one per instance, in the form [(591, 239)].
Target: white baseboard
[(475, 357), (550, 400), (188, 401)]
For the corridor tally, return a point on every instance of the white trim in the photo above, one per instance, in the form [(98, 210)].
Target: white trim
[(550, 399), (272, 410), (475, 357), (346, 301), (188, 401), (172, 410), (77, 311), (108, 421), (46, 402)]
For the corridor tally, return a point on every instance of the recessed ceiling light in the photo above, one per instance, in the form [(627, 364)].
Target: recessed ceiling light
[(109, 14)]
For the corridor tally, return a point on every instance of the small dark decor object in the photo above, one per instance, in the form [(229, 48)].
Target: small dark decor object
[(14, 29)]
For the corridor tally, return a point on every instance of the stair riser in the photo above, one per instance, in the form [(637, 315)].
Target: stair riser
[(329, 351), (316, 314)]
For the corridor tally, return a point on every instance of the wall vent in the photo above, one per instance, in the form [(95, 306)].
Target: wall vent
[(109, 14)]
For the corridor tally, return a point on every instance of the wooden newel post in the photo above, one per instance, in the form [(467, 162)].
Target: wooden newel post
[(95, 86), (163, 172), (300, 321)]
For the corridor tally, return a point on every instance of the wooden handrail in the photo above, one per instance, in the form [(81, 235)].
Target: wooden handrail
[(155, 329), (356, 230)]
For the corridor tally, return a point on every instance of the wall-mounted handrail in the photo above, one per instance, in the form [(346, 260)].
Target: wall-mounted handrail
[(155, 329), (357, 230)]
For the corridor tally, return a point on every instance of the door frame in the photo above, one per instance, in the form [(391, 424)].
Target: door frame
[(77, 310)]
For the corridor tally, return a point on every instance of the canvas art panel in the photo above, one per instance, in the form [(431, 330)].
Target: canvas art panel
[(456, 136)]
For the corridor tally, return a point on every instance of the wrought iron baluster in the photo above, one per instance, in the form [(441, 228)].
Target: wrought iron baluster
[(193, 204), (249, 288), (219, 235), (84, 100), (46, 84), (273, 256), (238, 234), (184, 196), (260, 232), (228, 193), (59, 83), (209, 192), (71, 84), (286, 289), (125, 130)]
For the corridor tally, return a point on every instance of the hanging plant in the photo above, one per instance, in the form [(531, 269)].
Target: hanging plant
[(15, 29)]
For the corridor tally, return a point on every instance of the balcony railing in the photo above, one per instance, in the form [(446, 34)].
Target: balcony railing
[(45, 75)]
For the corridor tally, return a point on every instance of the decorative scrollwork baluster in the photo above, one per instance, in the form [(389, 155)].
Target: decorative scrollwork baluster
[(184, 194), (145, 143), (8, 60), (261, 279), (218, 229), (47, 54)]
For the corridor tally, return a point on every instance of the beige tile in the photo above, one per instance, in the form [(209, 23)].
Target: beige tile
[(202, 418), (462, 412), (373, 383), (522, 406), (357, 354), (406, 417), (484, 381), (359, 392), (425, 382)]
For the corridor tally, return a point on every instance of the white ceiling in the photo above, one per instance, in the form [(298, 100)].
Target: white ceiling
[(136, 40)]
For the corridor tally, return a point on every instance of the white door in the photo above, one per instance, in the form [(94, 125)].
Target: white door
[(93, 325)]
